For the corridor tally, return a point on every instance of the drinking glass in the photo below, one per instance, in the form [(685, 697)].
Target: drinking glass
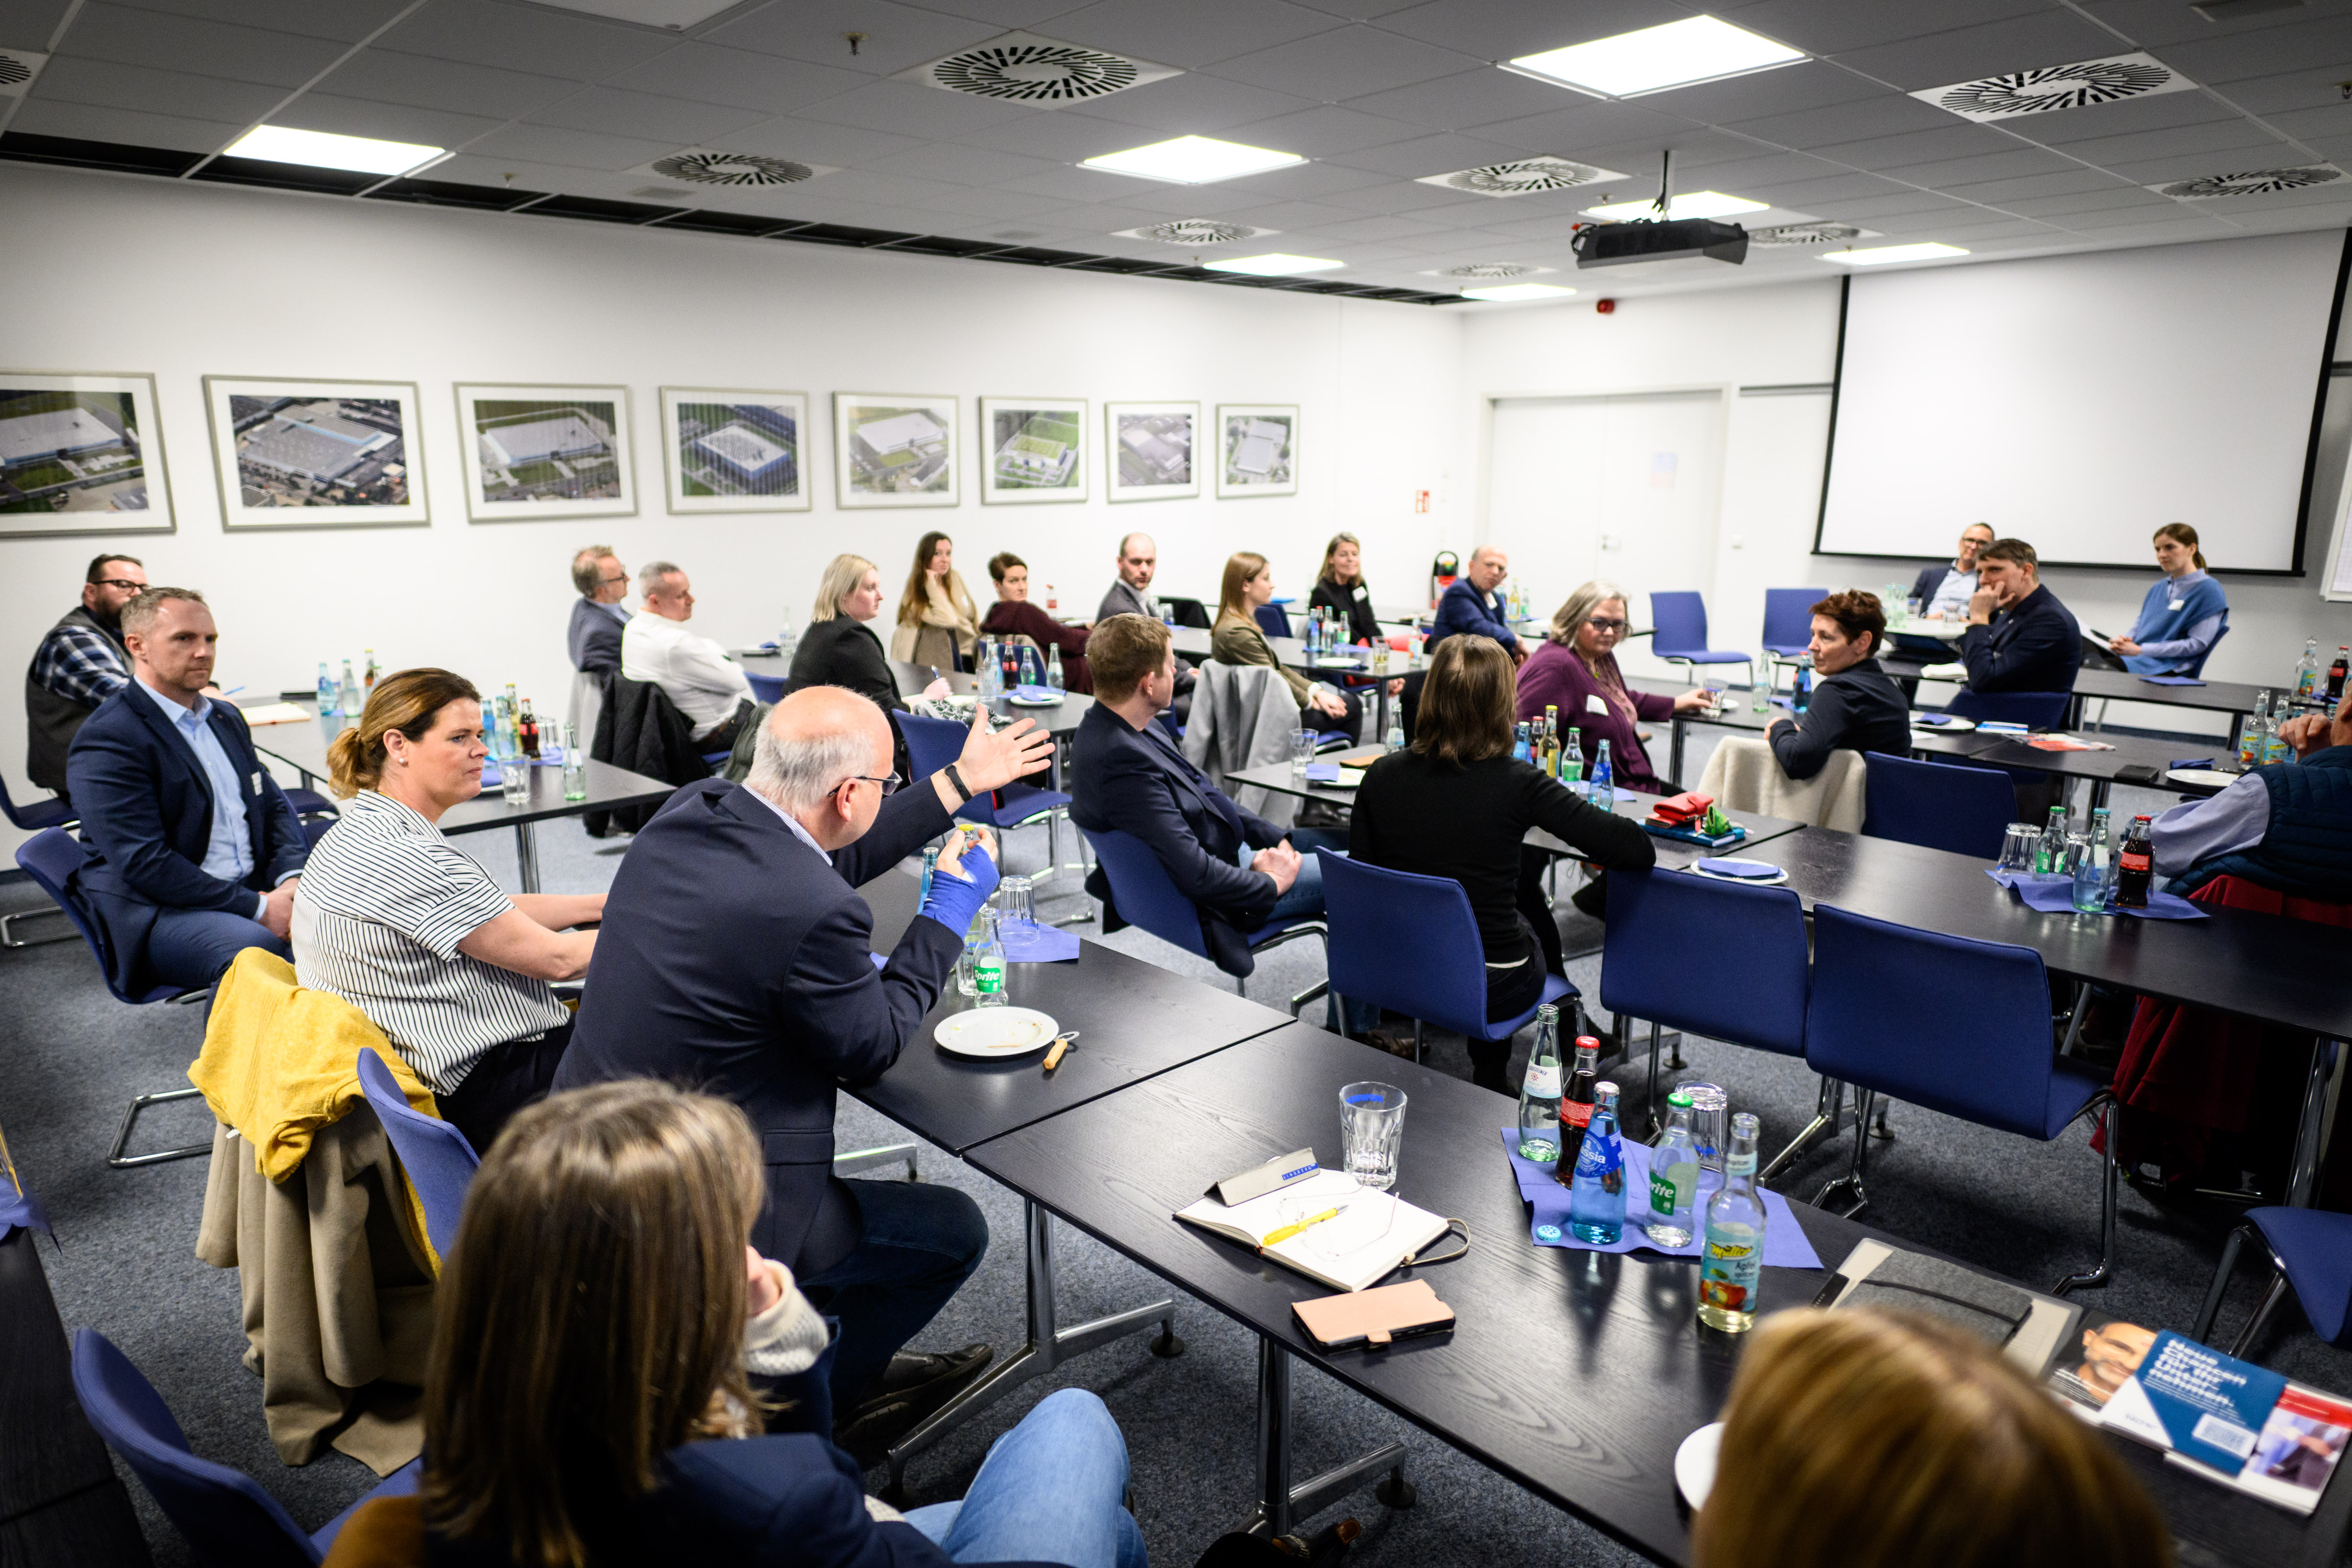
[(2017, 847), (1372, 1125), (1302, 751), (1714, 684), (1014, 912), (514, 779), (1709, 1108)]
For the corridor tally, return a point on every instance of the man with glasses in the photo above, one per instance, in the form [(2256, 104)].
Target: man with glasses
[(1473, 606), (597, 617), (1139, 562), (78, 665), (1944, 592), (737, 954)]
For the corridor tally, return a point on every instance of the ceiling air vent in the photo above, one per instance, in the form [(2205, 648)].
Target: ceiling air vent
[(1021, 68), (17, 70), (1488, 270), (1522, 178), (1787, 234), (2046, 90), (1194, 231), (709, 166), (2252, 183)]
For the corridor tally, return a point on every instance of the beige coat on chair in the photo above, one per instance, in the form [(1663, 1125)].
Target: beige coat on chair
[(1241, 717), (1744, 775)]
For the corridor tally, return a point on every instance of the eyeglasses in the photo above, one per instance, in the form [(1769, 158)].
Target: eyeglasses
[(608, 582), (1601, 625), (119, 582), (889, 784)]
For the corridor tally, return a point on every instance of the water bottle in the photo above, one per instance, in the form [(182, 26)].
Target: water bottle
[(1596, 1199), (988, 963), (576, 766), (1802, 693), (1732, 1261), (2307, 676), (1673, 1177), (2049, 850), (2250, 739), (1519, 744), (787, 641), (1760, 692), (2090, 893), (1571, 761), (2275, 746), (1604, 779), (1539, 1091), (1395, 739), (930, 864), (369, 678), (352, 702), (991, 678), (1054, 668), (327, 693), (1028, 667)]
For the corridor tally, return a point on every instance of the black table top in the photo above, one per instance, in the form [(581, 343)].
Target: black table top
[(2280, 971), (2009, 752), (2214, 696), (1135, 1019), (1290, 652), (913, 678), (1575, 1374)]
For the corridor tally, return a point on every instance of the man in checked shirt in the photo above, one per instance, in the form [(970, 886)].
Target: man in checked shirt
[(78, 665)]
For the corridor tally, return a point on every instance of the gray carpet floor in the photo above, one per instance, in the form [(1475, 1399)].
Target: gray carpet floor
[(124, 1263)]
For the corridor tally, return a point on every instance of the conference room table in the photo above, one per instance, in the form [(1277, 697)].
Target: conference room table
[(2232, 697), (1575, 1374), (302, 746)]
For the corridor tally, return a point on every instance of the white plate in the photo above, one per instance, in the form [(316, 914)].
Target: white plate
[(1953, 727), (2213, 778), (1694, 1463), (992, 1032), (1771, 881), (1034, 701), (1334, 661)]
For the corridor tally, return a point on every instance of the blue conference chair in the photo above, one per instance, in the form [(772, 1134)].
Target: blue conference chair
[(1990, 1063), (2311, 1250), (1273, 620), (1788, 620), (2195, 671), (439, 1162), (933, 744), (1680, 634), (1938, 805), (32, 817), (2034, 709), (53, 859), (768, 688), (1144, 895), (1376, 916), (223, 1512), (1752, 938)]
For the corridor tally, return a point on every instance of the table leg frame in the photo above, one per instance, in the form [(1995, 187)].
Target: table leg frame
[(1048, 1346), (1283, 1502), (526, 857), (2303, 1182)]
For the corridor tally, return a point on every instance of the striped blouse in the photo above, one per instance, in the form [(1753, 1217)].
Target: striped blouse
[(382, 906)]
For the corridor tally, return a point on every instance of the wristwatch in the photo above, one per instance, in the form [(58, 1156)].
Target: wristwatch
[(956, 779)]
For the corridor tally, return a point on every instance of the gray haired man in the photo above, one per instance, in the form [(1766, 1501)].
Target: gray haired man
[(707, 687)]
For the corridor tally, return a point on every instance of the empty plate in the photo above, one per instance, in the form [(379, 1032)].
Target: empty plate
[(1694, 1463), (2212, 778), (990, 1032)]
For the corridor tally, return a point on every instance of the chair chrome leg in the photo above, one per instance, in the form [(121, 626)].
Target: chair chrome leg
[(2093, 1279), (1416, 1040), (2271, 1298), (121, 1161), (1853, 1177), (882, 1154), (2202, 1332), (8, 937), (1675, 1062), (1878, 1128), (1653, 1077), (1304, 997), (2074, 1017), (1827, 1108)]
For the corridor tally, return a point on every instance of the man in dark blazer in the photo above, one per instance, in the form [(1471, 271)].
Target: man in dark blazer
[(1471, 606), (2020, 637), (736, 955), (1961, 573), (193, 849), (597, 618)]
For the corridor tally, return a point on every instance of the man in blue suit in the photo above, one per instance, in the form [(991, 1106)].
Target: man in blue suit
[(736, 956), (1472, 605), (2020, 637), (194, 850), (594, 637)]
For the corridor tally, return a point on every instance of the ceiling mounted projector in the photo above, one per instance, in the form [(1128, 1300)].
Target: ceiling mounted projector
[(1620, 244)]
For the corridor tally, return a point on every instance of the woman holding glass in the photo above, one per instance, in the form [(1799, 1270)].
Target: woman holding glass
[(1574, 669), (1236, 640), (939, 625)]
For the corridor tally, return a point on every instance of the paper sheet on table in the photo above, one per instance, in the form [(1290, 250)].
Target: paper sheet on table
[(273, 713), (1953, 670), (1785, 1246)]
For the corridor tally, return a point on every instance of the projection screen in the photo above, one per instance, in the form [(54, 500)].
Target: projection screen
[(2078, 402)]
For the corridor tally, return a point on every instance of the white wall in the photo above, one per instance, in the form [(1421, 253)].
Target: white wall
[(188, 281)]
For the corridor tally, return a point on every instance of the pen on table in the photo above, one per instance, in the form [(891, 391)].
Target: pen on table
[(934, 670), (232, 692), (1287, 1231)]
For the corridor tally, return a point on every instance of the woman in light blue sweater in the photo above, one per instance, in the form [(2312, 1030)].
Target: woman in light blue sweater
[(2182, 616)]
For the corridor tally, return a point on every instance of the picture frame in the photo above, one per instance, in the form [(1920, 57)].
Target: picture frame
[(1151, 451), (896, 449), (1257, 449), (730, 449), (301, 452), (1033, 450), (543, 452), (81, 452)]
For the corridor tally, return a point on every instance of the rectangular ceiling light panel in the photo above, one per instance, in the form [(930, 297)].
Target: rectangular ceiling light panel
[(1881, 254), (1193, 161), (2046, 90), (323, 150), (1044, 73), (1690, 204), (1678, 53), (1274, 266), (669, 15)]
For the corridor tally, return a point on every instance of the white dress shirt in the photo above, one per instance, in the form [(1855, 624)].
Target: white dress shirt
[(695, 671)]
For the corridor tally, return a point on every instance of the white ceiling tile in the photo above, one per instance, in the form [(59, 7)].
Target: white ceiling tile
[(2003, 192), (743, 77), (2305, 92), (1193, 105), (1957, 139), (1077, 185), (2161, 113), (1838, 27), (613, 112), (2076, 204), (1432, 202), (1892, 115), (191, 44), (27, 24), (522, 38), (1306, 180), (88, 123), (2294, 45), (1790, 90), (2153, 170), (897, 37), (572, 149), (883, 190), (391, 76), (998, 204), (1164, 201), (1360, 10), (1582, 123), (487, 169), (1901, 204), (2014, 162), (810, 142), (1323, 130), (2221, 136), (2049, 36), (1064, 137), (106, 85), (2092, 219), (347, 21), (1813, 195), (948, 164), (1009, 15), (1478, 96), (1433, 156), (1387, 227), (385, 121), (1347, 62), (908, 110), (2313, 125), (1192, 35)]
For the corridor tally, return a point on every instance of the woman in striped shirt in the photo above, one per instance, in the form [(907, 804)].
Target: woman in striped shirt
[(404, 926)]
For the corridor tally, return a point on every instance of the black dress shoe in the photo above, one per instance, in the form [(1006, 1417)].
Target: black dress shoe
[(910, 1389), (911, 1372)]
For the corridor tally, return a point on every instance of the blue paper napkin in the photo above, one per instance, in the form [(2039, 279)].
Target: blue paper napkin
[(1322, 773), (1037, 694), (1785, 1246), (1038, 943), (1753, 869), (2053, 893), (1937, 720), (2190, 763), (2172, 680)]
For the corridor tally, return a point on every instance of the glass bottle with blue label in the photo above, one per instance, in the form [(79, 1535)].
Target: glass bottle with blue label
[(1603, 789), (1596, 1199), (1673, 1177), (327, 692), (1731, 1264), (1539, 1091)]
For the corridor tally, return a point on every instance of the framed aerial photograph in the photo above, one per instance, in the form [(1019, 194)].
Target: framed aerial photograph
[(545, 451), (80, 453), (1257, 449), (729, 450), (1032, 450), (892, 448), (1150, 449), (295, 453)]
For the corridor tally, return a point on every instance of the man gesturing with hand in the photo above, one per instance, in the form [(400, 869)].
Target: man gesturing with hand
[(736, 955)]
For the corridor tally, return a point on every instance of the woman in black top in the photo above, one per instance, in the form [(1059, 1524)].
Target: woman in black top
[(1854, 704), (1457, 804), (839, 649), (1339, 589)]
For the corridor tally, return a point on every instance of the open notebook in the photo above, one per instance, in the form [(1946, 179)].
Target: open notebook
[(1372, 1233)]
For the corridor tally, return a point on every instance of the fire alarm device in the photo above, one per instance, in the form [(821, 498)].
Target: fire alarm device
[(1605, 307), (1420, 500)]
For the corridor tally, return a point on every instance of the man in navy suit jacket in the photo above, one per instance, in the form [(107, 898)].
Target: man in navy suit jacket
[(193, 849), (1472, 605), (2033, 643), (736, 955), (593, 639)]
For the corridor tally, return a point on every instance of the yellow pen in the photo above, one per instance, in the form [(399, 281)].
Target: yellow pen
[(1287, 1231)]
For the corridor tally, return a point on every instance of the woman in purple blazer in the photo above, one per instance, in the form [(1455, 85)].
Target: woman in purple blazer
[(1574, 669)]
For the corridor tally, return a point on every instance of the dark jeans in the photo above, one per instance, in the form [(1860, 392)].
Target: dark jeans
[(918, 1245), (508, 1077), (193, 948), (1509, 992)]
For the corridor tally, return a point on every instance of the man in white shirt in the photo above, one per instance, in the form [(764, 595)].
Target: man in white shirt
[(707, 687), (1943, 592)]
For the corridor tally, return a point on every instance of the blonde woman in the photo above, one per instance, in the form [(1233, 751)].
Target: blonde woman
[(1235, 639), (839, 649), (1574, 669), (938, 623)]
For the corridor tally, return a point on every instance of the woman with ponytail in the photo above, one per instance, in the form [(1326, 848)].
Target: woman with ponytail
[(2182, 616), (401, 924)]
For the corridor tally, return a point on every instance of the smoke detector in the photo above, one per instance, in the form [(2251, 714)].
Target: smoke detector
[(1791, 234), (1523, 177), (1194, 231), (1021, 68), (1488, 270), (17, 70), (2252, 183), (2046, 90), (710, 166)]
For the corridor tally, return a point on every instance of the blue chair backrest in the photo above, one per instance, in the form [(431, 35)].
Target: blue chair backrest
[(1753, 937), (1680, 619), (2034, 709), (1272, 621), (439, 1162), (932, 743), (1143, 892), (768, 688), (223, 1512), (1958, 1025), (1408, 942), (51, 857), (33, 815), (2197, 667), (1938, 805), (1788, 615)]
